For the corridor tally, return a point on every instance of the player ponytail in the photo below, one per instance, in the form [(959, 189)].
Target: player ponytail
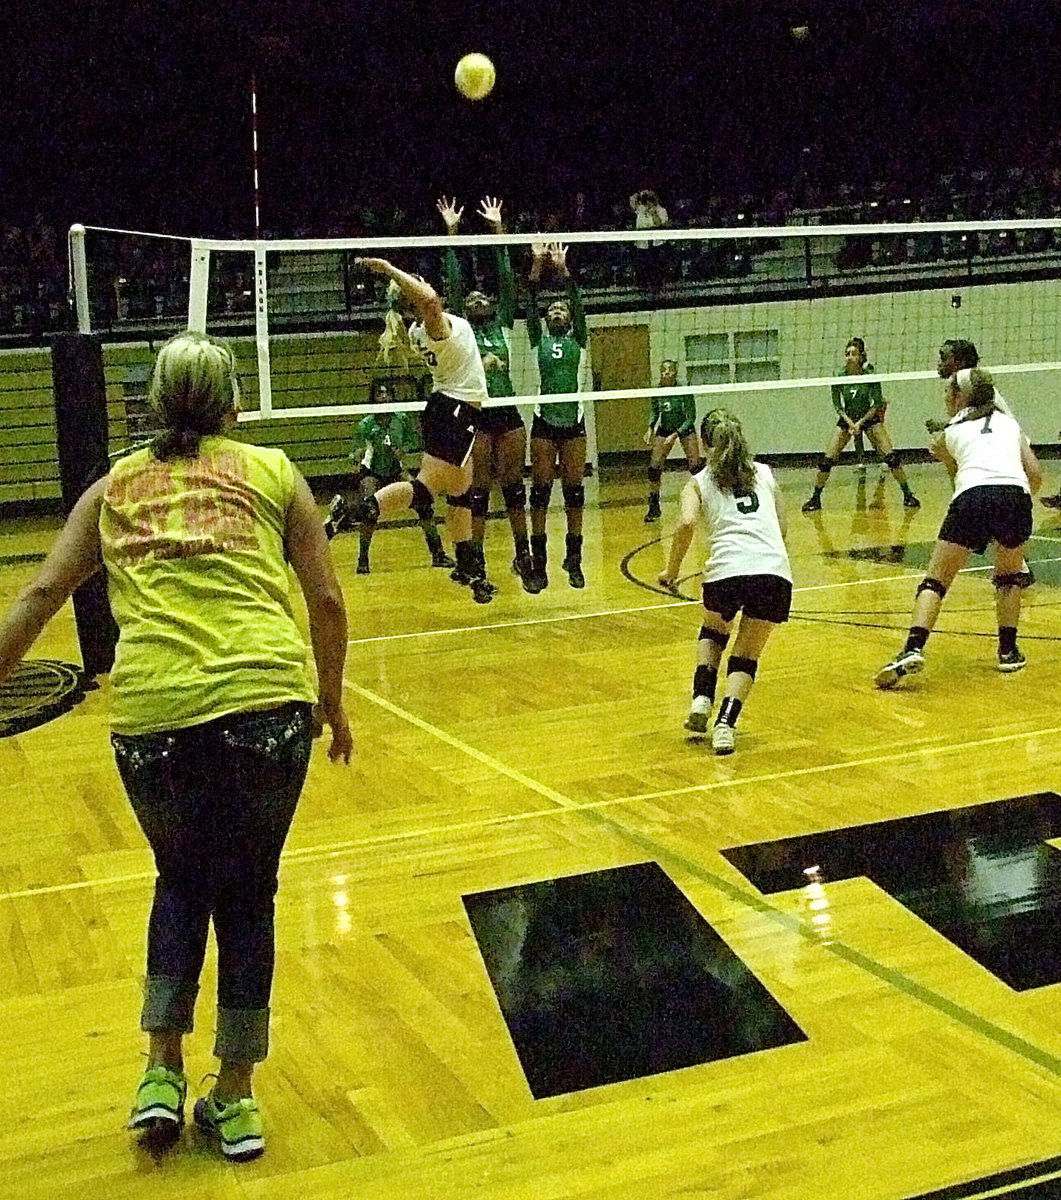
[(729, 460), (974, 390), (194, 390), (394, 344)]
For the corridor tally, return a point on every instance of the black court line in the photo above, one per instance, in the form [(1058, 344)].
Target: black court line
[(826, 617), (1039, 1180)]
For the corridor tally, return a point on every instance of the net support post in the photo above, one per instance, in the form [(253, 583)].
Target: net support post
[(261, 332), (198, 287), (79, 278), (80, 392)]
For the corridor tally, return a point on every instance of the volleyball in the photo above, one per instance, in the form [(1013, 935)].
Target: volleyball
[(474, 76)]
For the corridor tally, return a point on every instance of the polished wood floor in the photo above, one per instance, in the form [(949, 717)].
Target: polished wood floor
[(536, 737)]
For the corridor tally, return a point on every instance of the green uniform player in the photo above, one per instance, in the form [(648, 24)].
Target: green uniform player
[(381, 442), (558, 434), (860, 409), (673, 419), (501, 438)]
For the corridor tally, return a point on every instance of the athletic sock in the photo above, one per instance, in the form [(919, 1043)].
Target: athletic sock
[(538, 546), (464, 553), (433, 538), (704, 681), (729, 711), (521, 544), (573, 543), (916, 638), (1007, 639)]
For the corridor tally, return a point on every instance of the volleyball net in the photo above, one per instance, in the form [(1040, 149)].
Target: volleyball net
[(756, 318)]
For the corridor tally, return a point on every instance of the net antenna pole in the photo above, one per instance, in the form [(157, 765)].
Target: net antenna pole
[(79, 278), (254, 157)]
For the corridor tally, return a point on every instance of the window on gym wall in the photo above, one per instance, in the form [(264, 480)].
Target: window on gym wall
[(746, 356)]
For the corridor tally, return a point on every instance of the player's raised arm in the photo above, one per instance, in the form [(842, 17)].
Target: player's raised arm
[(420, 296), (539, 257), (579, 329), (451, 272), (490, 211)]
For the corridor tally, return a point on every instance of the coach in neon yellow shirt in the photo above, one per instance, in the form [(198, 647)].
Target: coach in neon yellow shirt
[(212, 707)]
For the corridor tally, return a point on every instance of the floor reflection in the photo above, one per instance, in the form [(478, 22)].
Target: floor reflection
[(614, 975), (982, 876)]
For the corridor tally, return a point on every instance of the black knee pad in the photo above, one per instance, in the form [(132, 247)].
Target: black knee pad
[(514, 495), (422, 503), (655, 474), (1018, 579), (479, 501), (574, 495), (464, 500), (746, 666), (539, 495), (928, 584), (893, 460), (712, 635), (825, 465)]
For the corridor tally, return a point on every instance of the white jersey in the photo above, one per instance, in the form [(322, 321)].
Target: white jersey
[(987, 451), (454, 362), (743, 532)]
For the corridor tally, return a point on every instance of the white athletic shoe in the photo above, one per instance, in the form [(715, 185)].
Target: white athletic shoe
[(908, 662), (1011, 661), (723, 738), (696, 721)]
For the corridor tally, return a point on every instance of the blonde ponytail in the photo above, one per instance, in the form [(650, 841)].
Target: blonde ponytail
[(729, 460)]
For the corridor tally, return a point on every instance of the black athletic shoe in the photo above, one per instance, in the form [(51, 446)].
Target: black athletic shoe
[(654, 512), (1011, 660), (338, 511), (911, 501), (439, 558), (524, 568), (1051, 501), (573, 567), (483, 591), (814, 504)]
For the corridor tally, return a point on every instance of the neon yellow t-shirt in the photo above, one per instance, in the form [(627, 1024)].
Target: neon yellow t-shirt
[(199, 586)]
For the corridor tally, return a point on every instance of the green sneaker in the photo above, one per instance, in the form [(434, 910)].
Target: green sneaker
[(158, 1112), (238, 1126)]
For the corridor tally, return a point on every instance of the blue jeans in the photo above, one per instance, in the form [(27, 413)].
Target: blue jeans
[(215, 802)]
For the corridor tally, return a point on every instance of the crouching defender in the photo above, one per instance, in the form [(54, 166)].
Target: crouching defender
[(747, 570), (995, 473)]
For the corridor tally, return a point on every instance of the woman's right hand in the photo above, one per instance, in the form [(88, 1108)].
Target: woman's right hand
[(334, 716)]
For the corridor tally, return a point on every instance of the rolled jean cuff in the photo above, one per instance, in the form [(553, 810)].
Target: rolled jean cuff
[(169, 1005), (242, 1034)]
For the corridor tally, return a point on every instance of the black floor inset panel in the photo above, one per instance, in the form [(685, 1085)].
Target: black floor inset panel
[(614, 975), (981, 876)]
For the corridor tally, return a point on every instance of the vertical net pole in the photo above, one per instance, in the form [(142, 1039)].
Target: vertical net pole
[(198, 288), (261, 332), (254, 157), (79, 273)]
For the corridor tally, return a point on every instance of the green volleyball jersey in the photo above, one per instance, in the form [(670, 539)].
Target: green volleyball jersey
[(559, 357), (490, 335), (853, 399), (673, 414), (380, 449)]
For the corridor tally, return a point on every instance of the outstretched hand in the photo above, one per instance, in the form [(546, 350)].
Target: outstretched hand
[(450, 213), (558, 254), (378, 266), (490, 211)]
